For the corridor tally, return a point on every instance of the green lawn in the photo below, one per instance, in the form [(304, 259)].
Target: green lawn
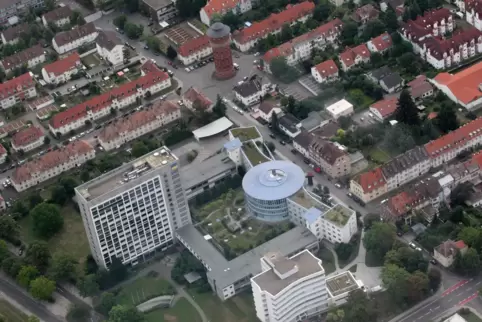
[(90, 60), (354, 253), (359, 100), (245, 133), (240, 308), (71, 240), (10, 313), (327, 260), (143, 289), (182, 311), (379, 155)]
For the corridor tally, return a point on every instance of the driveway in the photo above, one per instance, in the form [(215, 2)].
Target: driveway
[(310, 84)]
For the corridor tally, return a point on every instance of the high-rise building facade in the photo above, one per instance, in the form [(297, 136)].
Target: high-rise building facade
[(133, 211)]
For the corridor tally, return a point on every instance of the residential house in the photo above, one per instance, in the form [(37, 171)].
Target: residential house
[(420, 88), (300, 48), (11, 35), (247, 38), (313, 121), (391, 83), (195, 99), (302, 143), (473, 12), (332, 158), (445, 253), (222, 7), (51, 164), (290, 125), (365, 13), (125, 129), (12, 8), (384, 109), (398, 6), (354, 56), (340, 108), (249, 92), (29, 57), (17, 90), (194, 50), (380, 44), (3, 154), (66, 41), (58, 17), (28, 139), (62, 70), (266, 110), (379, 73), (110, 47), (369, 185), (160, 10), (325, 72)]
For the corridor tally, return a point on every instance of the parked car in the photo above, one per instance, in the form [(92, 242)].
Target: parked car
[(282, 142), (271, 135), (338, 185), (294, 151), (433, 262)]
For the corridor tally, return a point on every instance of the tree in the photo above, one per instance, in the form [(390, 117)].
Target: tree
[(26, 275), (379, 239), (171, 53), (471, 236), (271, 146), (232, 20), (282, 71), (88, 285), (434, 279), (219, 108), (38, 255), (49, 5), (468, 263), (8, 228), (121, 313), (34, 199), (407, 258), (418, 286), (407, 111), (349, 34), (373, 28), (47, 220), (139, 149), (446, 119), (275, 122), (117, 270), (4, 253), (395, 278), (106, 303), (345, 122), (359, 308), (369, 219), (408, 62), (19, 207), (133, 31), (58, 195), (120, 21), (460, 194), (336, 315), (323, 11), (154, 43), (286, 33), (69, 184), (390, 20), (78, 313), (11, 266), (63, 267), (42, 288), (33, 319)]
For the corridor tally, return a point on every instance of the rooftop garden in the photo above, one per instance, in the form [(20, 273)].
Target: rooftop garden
[(245, 133), (338, 215), (253, 154)]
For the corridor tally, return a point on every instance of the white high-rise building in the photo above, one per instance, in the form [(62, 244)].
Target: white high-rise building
[(133, 211), (289, 289)]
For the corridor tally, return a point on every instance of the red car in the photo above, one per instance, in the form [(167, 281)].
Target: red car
[(318, 170)]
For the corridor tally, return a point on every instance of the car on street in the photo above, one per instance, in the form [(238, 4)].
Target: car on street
[(146, 47), (245, 78), (294, 151), (163, 97), (8, 204), (317, 169), (433, 262), (412, 245), (150, 23), (187, 70), (257, 54), (399, 234), (271, 135), (180, 103), (211, 59), (306, 160), (282, 142), (338, 185), (349, 194)]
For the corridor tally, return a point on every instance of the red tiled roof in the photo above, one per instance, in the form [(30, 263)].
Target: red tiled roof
[(102, 101), (13, 33), (417, 81), (477, 158), (431, 17), (57, 14), (386, 107), (59, 67), (455, 138), (50, 160), (194, 95), (382, 42), (432, 115), (193, 45), (366, 12), (327, 68), (274, 22), (22, 57), (27, 136), (350, 54), (465, 85), (371, 180), (460, 244), (438, 45), (286, 49), (219, 6), (16, 85), (75, 33), (475, 5), (3, 151), (137, 120), (399, 203)]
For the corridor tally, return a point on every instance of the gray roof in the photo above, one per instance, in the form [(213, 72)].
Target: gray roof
[(8, 3), (381, 72), (158, 4), (273, 180), (306, 265), (247, 265), (218, 30), (108, 40), (248, 88), (15, 32), (392, 80), (58, 14), (327, 130), (404, 161), (77, 32), (312, 121), (304, 139), (197, 172), (289, 121)]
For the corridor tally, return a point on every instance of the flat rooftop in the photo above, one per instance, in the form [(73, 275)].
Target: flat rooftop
[(305, 262), (338, 215), (199, 171), (125, 173), (303, 198), (253, 154), (341, 283), (245, 133)]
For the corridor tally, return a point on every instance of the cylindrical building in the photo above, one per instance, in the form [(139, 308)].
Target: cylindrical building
[(220, 38), (268, 185)]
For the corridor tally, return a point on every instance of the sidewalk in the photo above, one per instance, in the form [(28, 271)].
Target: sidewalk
[(415, 308)]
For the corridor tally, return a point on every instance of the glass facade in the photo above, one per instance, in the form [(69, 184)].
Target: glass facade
[(267, 210)]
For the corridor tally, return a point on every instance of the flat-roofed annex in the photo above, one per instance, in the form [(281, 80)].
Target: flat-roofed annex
[(129, 171), (341, 283)]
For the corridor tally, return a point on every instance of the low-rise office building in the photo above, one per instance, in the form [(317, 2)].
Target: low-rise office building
[(28, 139), (66, 41), (340, 108), (61, 71), (29, 57)]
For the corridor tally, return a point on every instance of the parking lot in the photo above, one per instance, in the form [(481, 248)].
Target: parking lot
[(310, 84), (363, 118), (296, 90)]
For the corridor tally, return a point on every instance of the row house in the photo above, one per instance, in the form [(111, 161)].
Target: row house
[(58, 17), (217, 8), (194, 50), (66, 41), (247, 38), (110, 47), (28, 139), (29, 57), (325, 72), (299, 48), (369, 185), (332, 158), (12, 35), (51, 164), (443, 53), (138, 124), (380, 44), (12, 8), (118, 98), (354, 56), (473, 12), (194, 99), (61, 71), (17, 90)]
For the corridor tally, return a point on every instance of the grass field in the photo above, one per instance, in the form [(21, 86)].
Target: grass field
[(143, 289), (10, 313), (379, 155), (327, 260), (71, 239), (182, 311), (237, 309)]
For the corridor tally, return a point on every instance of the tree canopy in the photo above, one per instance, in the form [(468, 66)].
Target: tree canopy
[(379, 239), (407, 111), (42, 288), (46, 219)]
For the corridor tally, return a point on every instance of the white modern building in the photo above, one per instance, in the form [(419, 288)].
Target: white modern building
[(110, 47), (289, 289), (340, 108), (250, 92), (133, 212), (66, 41)]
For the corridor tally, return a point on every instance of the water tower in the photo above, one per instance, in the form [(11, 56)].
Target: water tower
[(220, 38)]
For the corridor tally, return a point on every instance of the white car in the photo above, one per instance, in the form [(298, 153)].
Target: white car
[(187, 69), (180, 103), (257, 54), (338, 185)]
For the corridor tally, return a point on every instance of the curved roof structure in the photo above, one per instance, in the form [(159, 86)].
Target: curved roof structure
[(213, 128), (273, 180), (218, 30)]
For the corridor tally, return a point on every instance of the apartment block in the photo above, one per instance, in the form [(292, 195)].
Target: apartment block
[(11, 8), (66, 41), (59, 17), (369, 185), (62, 70), (12, 35), (215, 8), (29, 57), (28, 139), (332, 158), (194, 50), (110, 47), (354, 56), (17, 90)]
